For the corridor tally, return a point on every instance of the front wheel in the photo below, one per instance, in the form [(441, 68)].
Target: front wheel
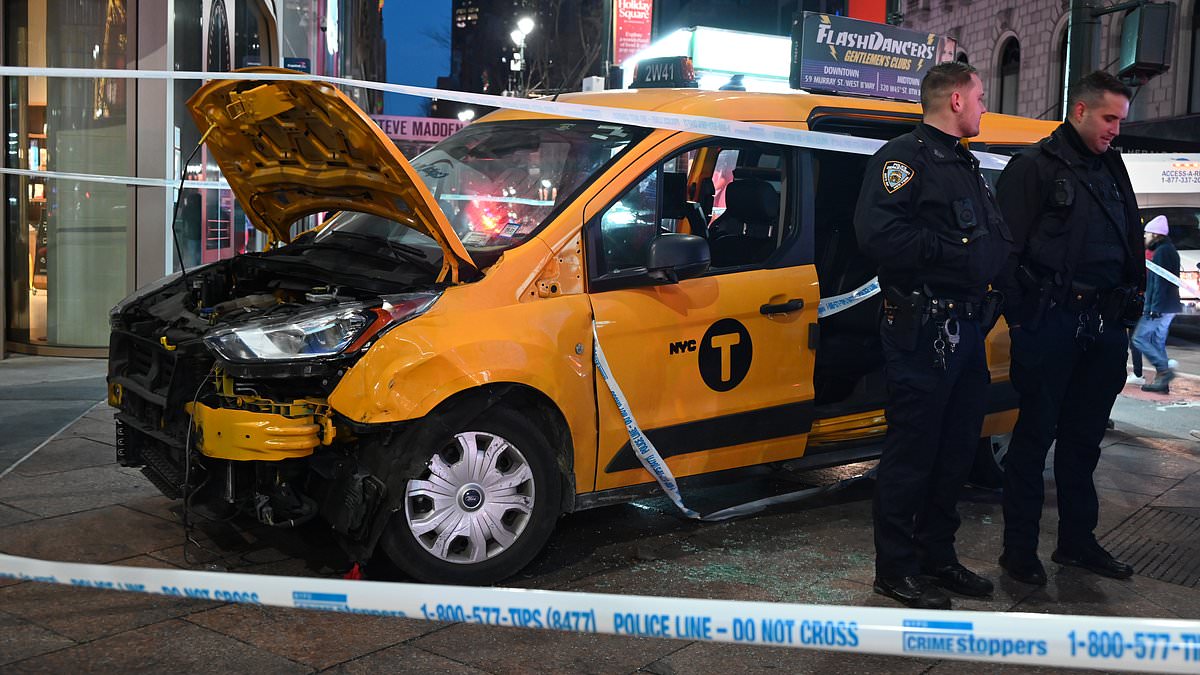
[(483, 507)]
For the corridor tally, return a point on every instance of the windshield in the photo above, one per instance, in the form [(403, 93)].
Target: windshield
[(499, 183)]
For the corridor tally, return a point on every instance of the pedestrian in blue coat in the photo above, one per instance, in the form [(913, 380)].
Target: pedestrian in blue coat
[(1162, 304)]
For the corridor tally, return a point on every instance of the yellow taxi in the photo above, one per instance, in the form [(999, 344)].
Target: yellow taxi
[(418, 372)]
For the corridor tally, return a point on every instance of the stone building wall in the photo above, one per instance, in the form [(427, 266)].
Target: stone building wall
[(982, 28)]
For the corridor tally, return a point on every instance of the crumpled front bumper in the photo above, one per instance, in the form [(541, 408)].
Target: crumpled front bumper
[(245, 435)]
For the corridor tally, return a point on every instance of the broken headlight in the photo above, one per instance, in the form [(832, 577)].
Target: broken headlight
[(325, 332)]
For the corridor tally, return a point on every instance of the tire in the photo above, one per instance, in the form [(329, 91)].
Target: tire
[(988, 469), (477, 522)]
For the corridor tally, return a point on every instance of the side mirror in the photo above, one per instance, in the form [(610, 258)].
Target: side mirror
[(675, 257)]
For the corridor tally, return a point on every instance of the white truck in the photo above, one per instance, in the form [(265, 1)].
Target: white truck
[(1168, 184)]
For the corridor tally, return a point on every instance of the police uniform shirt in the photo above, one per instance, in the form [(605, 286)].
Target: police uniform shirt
[(926, 216), (1103, 256)]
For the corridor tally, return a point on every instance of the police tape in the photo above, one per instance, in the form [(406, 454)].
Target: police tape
[(653, 461), (1172, 277), (838, 303), (646, 453), (1110, 643), (697, 124)]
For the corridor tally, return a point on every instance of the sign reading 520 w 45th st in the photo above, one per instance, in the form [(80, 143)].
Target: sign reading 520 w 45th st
[(841, 55)]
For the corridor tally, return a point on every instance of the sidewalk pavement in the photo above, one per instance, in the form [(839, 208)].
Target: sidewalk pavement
[(69, 501), (39, 395)]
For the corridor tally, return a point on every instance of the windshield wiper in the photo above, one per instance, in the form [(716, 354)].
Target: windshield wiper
[(393, 245), (398, 251)]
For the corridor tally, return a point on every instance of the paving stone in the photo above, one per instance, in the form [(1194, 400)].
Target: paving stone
[(173, 646), (10, 515), (67, 454), (315, 638), (1149, 461), (800, 562), (85, 614), (500, 649), (1070, 590), (403, 658), (102, 412), (710, 657), (72, 491), (1117, 479), (1169, 444), (1175, 600), (1184, 494), (258, 549), (157, 505), (101, 430), (1116, 507), (97, 536), (24, 432), (20, 370), (20, 639)]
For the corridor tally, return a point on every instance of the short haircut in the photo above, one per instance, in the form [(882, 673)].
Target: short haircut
[(1090, 89), (943, 79)]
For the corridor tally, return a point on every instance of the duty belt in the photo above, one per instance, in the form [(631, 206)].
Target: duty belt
[(947, 308), (938, 309), (1081, 298)]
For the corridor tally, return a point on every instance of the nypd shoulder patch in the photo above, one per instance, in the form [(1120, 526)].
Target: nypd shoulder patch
[(896, 175)]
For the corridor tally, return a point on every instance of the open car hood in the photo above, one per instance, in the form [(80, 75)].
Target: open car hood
[(293, 148)]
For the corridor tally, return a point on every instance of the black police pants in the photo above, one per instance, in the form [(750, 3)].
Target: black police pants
[(1067, 388), (934, 417)]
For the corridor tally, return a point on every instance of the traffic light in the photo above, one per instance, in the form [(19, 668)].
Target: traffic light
[(1145, 43)]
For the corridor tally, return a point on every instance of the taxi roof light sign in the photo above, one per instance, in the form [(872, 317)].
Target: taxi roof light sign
[(664, 72)]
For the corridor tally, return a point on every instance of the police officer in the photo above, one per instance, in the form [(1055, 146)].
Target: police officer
[(1076, 274), (927, 218)]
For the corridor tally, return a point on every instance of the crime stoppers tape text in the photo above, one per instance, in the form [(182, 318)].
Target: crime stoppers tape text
[(1111, 643)]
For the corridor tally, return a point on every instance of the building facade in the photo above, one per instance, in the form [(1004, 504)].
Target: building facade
[(1020, 49), (569, 41), (72, 248)]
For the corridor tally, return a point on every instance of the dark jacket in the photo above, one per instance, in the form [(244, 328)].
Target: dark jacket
[(1049, 201), (926, 216), (1162, 296)]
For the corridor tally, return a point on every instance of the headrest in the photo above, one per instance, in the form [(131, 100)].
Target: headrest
[(756, 172), (674, 197), (752, 200)]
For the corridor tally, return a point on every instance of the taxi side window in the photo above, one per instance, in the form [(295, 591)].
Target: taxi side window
[(733, 198), (628, 226)]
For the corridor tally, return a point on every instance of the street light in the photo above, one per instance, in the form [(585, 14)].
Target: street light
[(524, 28)]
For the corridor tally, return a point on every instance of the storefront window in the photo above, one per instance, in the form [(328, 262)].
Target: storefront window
[(211, 35), (67, 241)]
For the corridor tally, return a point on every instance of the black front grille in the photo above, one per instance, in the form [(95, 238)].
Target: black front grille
[(160, 458), (140, 364)]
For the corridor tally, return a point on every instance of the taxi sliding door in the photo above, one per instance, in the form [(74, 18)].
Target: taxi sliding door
[(717, 369)]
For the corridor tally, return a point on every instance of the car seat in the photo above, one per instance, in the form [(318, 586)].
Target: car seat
[(676, 205), (745, 233)]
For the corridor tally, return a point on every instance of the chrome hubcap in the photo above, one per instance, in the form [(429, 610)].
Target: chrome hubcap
[(474, 500)]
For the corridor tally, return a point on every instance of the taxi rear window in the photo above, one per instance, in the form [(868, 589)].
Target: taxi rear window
[(498, 183)]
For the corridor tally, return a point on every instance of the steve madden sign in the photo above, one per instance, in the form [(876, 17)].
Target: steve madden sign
[(837, 54)]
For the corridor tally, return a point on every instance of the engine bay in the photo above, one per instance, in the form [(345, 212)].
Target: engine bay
[(190, 417)]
